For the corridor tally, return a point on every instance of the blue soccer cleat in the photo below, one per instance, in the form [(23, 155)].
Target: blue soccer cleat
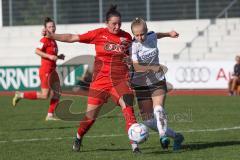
[(178, 142), (165, 141)]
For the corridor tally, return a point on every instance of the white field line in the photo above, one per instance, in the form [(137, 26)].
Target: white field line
[(115, 135)]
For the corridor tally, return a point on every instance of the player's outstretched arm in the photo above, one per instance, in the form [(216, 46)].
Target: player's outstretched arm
[(45, 55), (172, 34), (69, 38)]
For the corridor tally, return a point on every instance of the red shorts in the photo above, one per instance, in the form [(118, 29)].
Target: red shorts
[(102, 88), (49, 78)]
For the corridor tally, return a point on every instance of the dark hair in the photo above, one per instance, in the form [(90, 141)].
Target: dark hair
[(112, 12), (46, 20)]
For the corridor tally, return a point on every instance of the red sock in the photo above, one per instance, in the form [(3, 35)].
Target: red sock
[(129, 116), (85, 125), (30, 95), (53, 105)]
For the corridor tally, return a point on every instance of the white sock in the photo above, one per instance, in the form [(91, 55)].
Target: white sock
[(161, 119), (152, 124), (50, 114), (78, 136), (134, 145)]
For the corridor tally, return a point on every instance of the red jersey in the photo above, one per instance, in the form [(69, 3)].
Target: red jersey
[(48, 46), (111, 49)]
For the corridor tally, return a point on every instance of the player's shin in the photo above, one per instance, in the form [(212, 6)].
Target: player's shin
[(161, 118), (30, 95), (53, 105), (152, 124), (130, 119), (85, 125)]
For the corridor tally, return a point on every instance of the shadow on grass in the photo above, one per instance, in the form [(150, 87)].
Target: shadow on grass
[(158, 150), (46, 128), (112, 149), (204, 145), (197, 146)]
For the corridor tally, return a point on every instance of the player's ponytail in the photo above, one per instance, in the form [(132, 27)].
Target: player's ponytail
[(139, 21), (46, 20), (112, 12)]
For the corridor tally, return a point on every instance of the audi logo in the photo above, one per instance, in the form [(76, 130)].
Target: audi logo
[(193, 74)]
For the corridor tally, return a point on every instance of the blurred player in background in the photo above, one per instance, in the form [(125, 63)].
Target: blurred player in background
[(234, 82), (110, 73), (48, 51), (149, 81)]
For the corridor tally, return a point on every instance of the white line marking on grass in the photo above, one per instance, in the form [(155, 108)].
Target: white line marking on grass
[(116, 135), (211, 130)]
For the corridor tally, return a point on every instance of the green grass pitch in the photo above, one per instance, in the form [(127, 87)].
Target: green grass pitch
[(25, 135)]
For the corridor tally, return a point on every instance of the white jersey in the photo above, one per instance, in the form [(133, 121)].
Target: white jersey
[(146, 53)]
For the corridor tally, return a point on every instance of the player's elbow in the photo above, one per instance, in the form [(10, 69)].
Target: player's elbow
[(37, 51), (74, 38)]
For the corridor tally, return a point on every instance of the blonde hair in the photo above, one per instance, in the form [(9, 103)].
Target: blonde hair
[(139, 21)]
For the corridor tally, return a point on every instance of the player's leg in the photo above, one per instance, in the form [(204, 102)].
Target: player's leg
[(146, 109), (32, 95), (96, 99), (234, 84), (238, 86), (55, 87), (158, 98), (52, 106), (230, 87), (85, 124), (126, 103), (123, 96)]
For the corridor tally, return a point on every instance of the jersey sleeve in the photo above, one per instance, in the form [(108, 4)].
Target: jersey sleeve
[(153, 37), (89, 37), (42, 44)]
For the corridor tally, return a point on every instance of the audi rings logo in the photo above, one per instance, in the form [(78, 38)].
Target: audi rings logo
[(193, 74)]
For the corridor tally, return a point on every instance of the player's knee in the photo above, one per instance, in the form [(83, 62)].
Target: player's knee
[(128, 99), (44, 96)]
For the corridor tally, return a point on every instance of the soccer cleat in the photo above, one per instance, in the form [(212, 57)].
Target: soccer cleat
[(77, 144), (16, 99), (51, 118), (136, 150), (165, 141), (178, 141)]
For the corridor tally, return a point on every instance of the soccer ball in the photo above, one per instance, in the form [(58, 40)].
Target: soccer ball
[(138, 133)]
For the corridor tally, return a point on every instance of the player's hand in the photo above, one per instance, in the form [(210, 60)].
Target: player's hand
[(173, 34), (154, 69), (46, 33), (53, 57), (61, 56)]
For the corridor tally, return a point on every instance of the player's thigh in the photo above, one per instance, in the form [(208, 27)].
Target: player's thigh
[(158, 97), (122, 94), (45, 92), (146, 108), (44, 76)]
